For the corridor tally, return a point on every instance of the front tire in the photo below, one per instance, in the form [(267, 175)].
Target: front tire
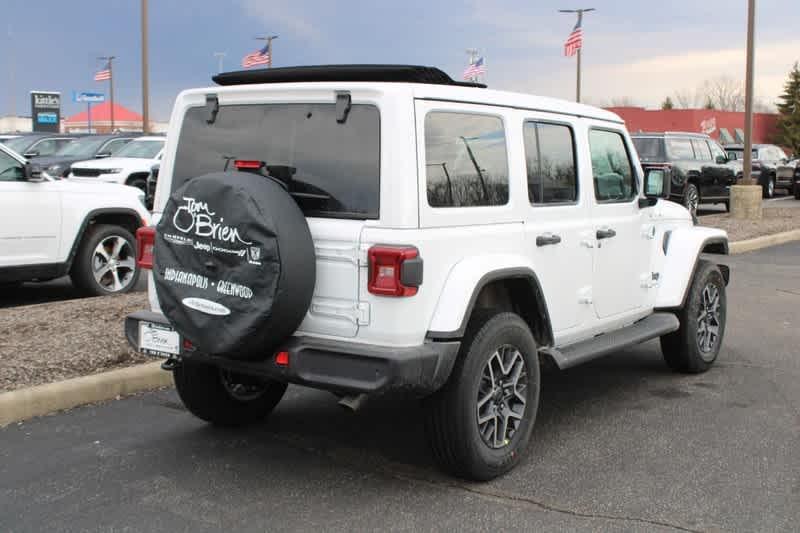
[(797, 191), (106, 261), (225, 398), (139, 183), (769, 187), (479, 424), (695, 346), (691, 199)]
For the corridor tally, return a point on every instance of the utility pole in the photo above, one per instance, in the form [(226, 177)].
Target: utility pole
[(579, 25), (269, 46), (145, 73), (748, 94), (110, 60), (220, 60)]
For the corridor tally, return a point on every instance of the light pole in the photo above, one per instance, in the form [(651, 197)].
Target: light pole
[(269, 46), (745, 197), (220, 60), (579, 25), (145, 73)]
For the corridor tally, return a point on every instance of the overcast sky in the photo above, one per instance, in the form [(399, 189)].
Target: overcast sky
[(635, 49)]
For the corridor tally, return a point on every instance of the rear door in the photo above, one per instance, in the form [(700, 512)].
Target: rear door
[(331, 168)]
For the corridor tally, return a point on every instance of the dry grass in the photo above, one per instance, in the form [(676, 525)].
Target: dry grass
[(54, 341), (776, 220)]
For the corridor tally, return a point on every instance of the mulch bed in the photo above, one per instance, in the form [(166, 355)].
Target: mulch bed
[(776, 220), (55, 341)]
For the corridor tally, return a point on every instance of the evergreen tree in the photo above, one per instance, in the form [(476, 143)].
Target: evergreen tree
[(709, 104), (789, 111), (667, 103)]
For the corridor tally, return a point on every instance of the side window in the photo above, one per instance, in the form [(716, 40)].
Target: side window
[(10, 168), (716, 150), (680, 149), (466, 160), (112, 147), (701, 151), (550, 159), (44, 147), (614, 179)]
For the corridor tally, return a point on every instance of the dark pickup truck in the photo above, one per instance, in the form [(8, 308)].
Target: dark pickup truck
[(699, 169)]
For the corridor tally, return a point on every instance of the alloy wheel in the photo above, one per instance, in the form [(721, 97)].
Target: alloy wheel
[(501, 398), (113, 263), (708, 321), (692, 200)]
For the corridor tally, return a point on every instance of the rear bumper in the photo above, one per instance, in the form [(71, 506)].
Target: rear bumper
[(335, 365)]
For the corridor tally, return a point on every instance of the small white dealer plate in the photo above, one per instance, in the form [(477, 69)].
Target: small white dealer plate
[(158, 340)]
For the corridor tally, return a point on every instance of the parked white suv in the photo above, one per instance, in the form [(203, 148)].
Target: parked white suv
[(130, 166), (51, 227), (384, 228)]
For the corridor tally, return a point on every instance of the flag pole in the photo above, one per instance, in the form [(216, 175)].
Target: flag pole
[(110, 59), (269, 46), (580, 13)]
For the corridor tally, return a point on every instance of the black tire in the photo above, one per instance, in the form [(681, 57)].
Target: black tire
[(796, 191), (204, 393), (768, 187), (138, 182), (89, 261), (691, 199), (452, 426), (681, 349), (727, 205)]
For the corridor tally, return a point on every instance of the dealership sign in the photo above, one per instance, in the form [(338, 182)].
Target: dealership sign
[(46, 111), (89, 98)]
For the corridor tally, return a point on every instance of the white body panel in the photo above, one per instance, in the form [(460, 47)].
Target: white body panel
[(127, 166), (589, 287)]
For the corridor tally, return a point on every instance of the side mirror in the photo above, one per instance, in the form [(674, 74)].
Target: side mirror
[(102, 155), (721, 159), (656, 185), (28, 174), (32, 153)]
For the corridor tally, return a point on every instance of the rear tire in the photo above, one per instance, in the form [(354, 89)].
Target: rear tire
[(695, 346), (100, 268), (479, 424), (797, 191), (769, 187), (210, 393)]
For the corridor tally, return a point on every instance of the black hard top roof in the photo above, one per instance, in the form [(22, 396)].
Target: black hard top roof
[(341, 73)]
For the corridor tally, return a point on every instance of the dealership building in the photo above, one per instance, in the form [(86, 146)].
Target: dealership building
[(725, 126)]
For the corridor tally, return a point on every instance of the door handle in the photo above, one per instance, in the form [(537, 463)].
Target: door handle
[(606, 233), (547, 238)]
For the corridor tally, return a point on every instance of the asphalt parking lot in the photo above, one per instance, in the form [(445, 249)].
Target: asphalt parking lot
[(620, 444), (781, 199)]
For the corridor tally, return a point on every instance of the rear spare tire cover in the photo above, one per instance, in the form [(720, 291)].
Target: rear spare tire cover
[(234, 264)]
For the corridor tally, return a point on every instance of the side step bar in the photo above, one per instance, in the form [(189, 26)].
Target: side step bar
[(647, 328)]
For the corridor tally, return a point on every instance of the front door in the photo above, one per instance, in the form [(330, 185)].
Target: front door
[(558, 227), (622, 239), (30, 217)]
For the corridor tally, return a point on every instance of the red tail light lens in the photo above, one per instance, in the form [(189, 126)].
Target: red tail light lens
[(394, 270), (145, 240), (282, 358), (244, 164)]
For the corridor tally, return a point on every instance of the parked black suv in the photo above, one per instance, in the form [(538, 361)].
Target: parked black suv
[(698, 166), (767, 158)]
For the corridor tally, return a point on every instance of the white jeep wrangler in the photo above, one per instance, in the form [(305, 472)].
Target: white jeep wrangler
[(365, 229)]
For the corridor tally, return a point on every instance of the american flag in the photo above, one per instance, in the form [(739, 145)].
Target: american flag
[(574, 41), (475, 69), (259, 57), (103, 75)]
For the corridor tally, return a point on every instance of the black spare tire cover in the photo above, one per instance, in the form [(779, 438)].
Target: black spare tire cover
[(234, 264)]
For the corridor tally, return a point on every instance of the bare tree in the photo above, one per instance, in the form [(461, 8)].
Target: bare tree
[(725, 93), (685, 99), (622, 101)]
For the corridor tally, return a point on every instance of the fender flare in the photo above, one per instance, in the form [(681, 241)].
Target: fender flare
[(85, 224), (683, 246), (510, 272)]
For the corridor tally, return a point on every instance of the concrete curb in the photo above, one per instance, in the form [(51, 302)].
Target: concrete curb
[(739, 247), (27, 403)]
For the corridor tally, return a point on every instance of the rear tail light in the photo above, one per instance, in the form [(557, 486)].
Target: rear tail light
[(282, 358), (145, 240), (394, 270)]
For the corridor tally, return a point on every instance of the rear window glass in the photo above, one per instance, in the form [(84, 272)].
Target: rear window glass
[(650, 149), (331, 169)]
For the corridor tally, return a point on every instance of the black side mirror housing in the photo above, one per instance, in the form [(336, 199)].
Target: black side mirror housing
[(32, 153), (656, 185), (721, 159)]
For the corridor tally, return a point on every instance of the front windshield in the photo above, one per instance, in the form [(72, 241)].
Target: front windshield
[(20, 144), (143, 149), (85, 147)]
